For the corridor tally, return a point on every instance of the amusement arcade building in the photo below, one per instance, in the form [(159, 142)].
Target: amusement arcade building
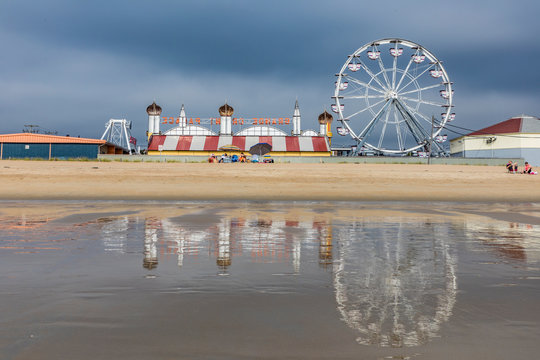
[(190, 137)]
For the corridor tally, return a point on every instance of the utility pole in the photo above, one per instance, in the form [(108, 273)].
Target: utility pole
[(431, 139)]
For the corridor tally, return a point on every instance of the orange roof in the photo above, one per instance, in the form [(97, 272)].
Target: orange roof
[(41, 138)]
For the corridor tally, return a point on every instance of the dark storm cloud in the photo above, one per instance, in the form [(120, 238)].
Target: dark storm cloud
[(299, 38), (72, 65), (239, 36)]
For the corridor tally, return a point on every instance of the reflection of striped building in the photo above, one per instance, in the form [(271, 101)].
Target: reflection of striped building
[(194, 139), (262, 240)]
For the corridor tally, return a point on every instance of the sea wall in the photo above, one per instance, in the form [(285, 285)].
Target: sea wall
[(329, 160)]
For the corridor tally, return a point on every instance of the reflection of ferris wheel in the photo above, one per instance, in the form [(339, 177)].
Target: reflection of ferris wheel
[(395, 285), (387, 93)]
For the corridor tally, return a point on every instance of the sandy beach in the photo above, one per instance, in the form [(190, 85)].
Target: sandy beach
[(66, 180)]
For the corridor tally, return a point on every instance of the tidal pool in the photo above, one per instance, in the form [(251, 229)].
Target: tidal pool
[(269, 280)]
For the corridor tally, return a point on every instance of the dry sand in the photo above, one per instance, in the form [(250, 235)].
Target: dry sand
[(64, 180)]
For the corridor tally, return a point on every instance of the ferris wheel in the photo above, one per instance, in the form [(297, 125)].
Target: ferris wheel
[(393, 96)]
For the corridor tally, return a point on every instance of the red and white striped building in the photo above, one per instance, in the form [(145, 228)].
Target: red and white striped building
[(194, 139)]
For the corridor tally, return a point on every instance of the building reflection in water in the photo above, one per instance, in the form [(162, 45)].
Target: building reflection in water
[(114, 233), (224, 260), (509, 241), (325, 244), (260, 240), (151, 228), (395, 284)]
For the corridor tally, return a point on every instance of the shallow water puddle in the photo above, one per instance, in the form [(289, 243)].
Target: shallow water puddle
[(268, 280)]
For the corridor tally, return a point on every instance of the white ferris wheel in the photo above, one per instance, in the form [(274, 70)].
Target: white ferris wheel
[(394, 96)]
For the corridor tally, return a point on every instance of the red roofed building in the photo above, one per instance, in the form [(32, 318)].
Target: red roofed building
[(191, 138), (518, 137)]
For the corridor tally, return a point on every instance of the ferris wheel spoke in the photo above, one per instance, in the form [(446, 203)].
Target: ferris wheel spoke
[(359, 82), (428, 67), (417, 113), (421, 101), (367, 130), (417, 131), (383, 129), (398, 131), (383, 70), (373, 76), (420, 89), (355, 89), (394, 69), (364, 97), (406, 71), (431, 122), (365, 109)]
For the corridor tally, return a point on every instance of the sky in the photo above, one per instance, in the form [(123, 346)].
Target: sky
[(70, 65)]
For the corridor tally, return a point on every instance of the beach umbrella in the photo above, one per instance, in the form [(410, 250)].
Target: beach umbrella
[(229, 147), (260, 149)]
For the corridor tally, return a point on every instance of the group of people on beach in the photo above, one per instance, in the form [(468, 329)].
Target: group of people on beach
[(225, 158), (512, 168)]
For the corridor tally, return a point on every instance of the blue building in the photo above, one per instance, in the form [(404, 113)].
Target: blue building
[(40, 146)]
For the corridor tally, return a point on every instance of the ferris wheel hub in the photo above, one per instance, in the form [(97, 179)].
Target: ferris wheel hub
[(391, 94)]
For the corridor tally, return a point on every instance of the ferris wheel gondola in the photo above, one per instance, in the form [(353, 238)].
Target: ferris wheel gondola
[(389, 90)]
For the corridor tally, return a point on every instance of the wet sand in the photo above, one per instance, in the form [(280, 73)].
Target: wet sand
[(305, 280), (64, 180), (195, 214)]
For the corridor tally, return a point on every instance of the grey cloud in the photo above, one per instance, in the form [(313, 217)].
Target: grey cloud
[(72, 65)]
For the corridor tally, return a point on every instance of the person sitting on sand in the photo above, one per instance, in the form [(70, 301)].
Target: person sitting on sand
[(242, 157), (528, 168), (212, 158), (223, 157), (510, 166)]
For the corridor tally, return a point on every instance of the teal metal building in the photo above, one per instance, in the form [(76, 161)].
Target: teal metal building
[(39, 146)]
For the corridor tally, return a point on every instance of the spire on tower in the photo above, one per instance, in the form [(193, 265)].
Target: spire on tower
[(183, 119), (296, 119)]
